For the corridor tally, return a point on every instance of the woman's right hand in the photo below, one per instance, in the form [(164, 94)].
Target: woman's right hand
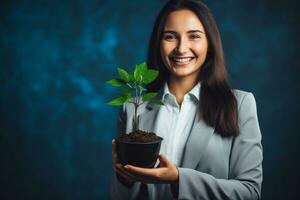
[(123, 176)]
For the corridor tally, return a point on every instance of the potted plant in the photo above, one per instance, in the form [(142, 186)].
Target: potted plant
[(139, 148)]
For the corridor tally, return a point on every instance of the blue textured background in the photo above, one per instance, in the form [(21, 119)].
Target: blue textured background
[(55, 56)]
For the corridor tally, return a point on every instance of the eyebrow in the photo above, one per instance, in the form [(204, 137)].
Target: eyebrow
[(190, 31)]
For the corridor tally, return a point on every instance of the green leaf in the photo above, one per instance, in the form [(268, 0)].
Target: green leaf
[(117, 101), (123, 75), (139, 71), (156, 101), (149, 96), (127, 89), (150, 75), (131, 77), (126, 95), (115, 82)]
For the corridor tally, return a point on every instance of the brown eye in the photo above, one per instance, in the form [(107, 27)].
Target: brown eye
[(194, 36), (169, 37)]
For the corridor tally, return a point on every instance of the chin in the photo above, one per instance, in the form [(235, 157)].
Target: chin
[(181, 75)]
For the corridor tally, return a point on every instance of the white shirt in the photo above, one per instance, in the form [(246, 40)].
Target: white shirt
[(176, 123)]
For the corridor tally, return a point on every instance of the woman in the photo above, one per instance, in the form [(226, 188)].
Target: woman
[(212, 141)]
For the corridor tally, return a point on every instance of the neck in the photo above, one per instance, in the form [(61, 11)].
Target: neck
[(180, 86)]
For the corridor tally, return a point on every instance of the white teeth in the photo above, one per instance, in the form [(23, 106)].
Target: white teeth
[(182, 59)]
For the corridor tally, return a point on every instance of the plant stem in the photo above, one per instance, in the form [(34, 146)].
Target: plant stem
[(135, 117), (129, 85), (136, 104)]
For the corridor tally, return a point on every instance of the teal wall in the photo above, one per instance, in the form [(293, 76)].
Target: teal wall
[(55, 56)]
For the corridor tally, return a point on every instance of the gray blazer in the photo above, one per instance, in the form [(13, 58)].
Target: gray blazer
[(212, 167)]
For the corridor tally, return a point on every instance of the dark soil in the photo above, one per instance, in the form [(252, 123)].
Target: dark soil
[(139, 136)]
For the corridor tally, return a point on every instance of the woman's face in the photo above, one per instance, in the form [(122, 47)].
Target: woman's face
[(184, 44)]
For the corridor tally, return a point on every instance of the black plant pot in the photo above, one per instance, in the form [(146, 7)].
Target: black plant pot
[(138, 154)]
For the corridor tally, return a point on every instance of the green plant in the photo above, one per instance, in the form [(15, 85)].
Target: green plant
[(133, 88)]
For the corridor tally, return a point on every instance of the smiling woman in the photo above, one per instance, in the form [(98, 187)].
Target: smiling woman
[(183, 48), (212, 140), (184, 44)]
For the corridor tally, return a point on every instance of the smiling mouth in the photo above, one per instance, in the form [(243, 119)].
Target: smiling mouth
[(182, 60)]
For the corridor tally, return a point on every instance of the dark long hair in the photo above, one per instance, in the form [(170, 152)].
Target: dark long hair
[(218, 105)]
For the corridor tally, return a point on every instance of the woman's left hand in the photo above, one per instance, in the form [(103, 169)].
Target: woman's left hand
[(166, 172)]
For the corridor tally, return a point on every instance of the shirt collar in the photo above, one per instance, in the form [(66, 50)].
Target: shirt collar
[(195, 92)]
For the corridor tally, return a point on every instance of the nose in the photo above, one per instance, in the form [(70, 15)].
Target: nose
[(182, 46)]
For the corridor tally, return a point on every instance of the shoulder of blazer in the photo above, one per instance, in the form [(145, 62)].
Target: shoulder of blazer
[(240, 95), (246, 102)]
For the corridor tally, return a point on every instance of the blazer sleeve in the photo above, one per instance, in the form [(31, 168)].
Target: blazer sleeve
[(245, 175), (118, 191)]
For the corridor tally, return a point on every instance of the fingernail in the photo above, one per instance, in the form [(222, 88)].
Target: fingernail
[(126, 167), (113, 140)]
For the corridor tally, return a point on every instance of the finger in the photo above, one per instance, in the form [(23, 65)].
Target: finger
[(163, 161), (135, 177), (121, 169), (124, 175), (146, 172), (114, 153), (127, 175)]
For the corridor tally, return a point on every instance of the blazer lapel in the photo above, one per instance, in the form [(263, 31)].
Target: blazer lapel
[(196, 143), (147, 119)]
